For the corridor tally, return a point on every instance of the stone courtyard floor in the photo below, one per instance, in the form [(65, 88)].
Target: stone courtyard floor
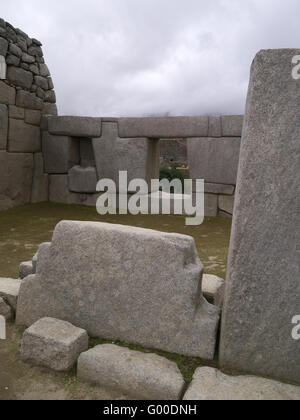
[(21, 232)]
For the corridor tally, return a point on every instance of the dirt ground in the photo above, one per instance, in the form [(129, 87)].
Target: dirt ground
[(21, 232)]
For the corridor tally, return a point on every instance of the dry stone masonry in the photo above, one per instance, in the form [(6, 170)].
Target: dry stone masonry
[(26, 93)]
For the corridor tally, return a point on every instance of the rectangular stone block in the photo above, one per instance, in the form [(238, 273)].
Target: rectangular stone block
[(7, 94), (226, 203), (9, 291), (61, 153), (219, 189), (53, 344), (23, 137), (214, 160), (139, 375), (112, 288), (83, 180), (215, 126), (232, 125), (165, 127), (75, 126), (16, 179), (139, 157), (263, 288), (3, 126)]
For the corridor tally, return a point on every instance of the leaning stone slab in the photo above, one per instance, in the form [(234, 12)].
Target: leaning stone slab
[(5, 310), (215, 160), (25, 269), (213, 289), (108, 283), (139, 375), (263, 289), (9, 291), (212, 385), (53, 344), (165, 127), (75, 126)]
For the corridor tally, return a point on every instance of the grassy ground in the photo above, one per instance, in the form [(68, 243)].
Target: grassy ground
[(24, 228), (21, 232)]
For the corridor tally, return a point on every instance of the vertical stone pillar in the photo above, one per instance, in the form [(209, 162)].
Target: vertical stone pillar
[(263, 280)]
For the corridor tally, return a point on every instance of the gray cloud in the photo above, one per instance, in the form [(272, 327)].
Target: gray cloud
[(144, 57)]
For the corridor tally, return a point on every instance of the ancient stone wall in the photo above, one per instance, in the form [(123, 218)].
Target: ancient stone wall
[(26, 93), (78, 151)]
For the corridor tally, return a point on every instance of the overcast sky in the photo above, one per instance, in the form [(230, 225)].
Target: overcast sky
[(145, 57)]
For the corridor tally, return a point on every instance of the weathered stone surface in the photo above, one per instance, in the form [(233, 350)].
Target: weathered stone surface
[(226, 203), (19, 77), (26, 58), (139, 157), (15, 50), (214, 160), (12, 60), (132, 302), (33, 117), (215, 126), (86, 154), (40, 181), (42, 82), (59, 190), (16, 112), (9, 291), (219, 189), (213, 289), (3, 68), (5, 310), (83, 180), (36, 51), (140, 375), (7, 94), (3, 46), (49, 109), (232, 125), (28, 100), (16, 179), (44, 70), (3, 126), (53, 344), (212, 385), (61, 153), (166, 127), (23, 137), (263, 290), (75, 126), (34, 69), (25, 269), (50, 96)]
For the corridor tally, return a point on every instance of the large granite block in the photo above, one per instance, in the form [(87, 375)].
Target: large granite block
[(232, 125), (19, 77), (23, 137), (75, 126), (214, 159), (136, 374), (165, 127), (139, 157), (61, 153), (28, 100), (83, 180), (104, 278), (59, 190), (15, 179), (263, 288)]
